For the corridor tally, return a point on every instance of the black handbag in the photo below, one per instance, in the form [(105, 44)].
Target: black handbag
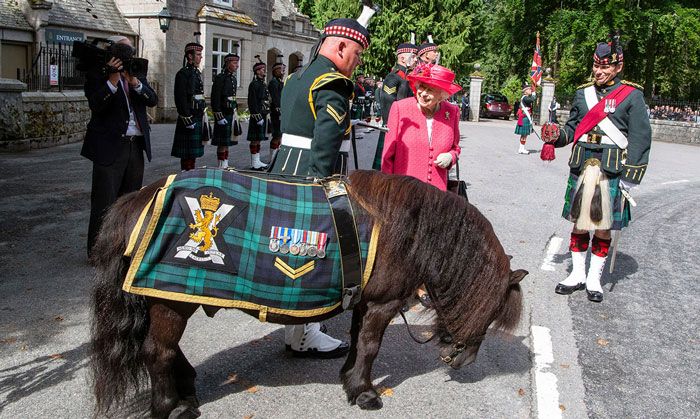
[(458, 186)]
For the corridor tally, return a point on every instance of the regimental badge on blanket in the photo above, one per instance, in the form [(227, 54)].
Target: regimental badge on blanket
[(298, 242), (208, 212)]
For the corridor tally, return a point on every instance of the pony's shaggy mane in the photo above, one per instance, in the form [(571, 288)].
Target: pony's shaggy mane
[(444, 242)]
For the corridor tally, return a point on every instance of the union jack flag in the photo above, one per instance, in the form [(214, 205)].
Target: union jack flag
[(536, 68)]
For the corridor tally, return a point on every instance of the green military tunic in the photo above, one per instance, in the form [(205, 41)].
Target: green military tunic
[(626, 163), (275, 88), (315, 121), (190, 104), (395, 87), (259, 107), (223, 105)]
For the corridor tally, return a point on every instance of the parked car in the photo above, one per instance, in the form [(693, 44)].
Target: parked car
[(495, 105)]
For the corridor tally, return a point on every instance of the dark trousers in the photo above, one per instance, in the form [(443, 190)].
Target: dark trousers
[(110, 182)]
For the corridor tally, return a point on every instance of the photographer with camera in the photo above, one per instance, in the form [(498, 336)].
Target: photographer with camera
[(190, 129), (118, 132)]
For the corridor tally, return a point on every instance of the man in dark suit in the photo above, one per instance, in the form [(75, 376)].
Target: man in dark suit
[(117, 134)]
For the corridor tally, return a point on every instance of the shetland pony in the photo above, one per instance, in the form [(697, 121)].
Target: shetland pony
[(426, 236)]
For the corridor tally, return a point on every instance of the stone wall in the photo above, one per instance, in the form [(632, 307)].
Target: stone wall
[(42, 119), (661, 130)]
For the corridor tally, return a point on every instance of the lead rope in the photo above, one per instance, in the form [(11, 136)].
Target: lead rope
[(408, 329)]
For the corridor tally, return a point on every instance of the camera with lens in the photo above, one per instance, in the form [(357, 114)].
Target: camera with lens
[(93, 57)]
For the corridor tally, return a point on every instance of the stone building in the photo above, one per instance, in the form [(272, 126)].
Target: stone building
[(249, 27)]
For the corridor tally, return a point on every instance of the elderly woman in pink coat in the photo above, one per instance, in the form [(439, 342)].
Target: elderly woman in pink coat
[(423, 137)]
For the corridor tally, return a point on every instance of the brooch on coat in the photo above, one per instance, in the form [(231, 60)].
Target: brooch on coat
[(447, 116)]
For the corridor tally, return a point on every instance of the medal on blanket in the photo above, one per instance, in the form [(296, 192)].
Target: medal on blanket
[(274, 243), (311, 250), (322, 238), (284, 238), (296, 239), (302, 245)]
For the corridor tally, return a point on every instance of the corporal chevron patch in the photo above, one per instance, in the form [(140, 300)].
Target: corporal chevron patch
[(389, 90), (294, 273), (334, 114)]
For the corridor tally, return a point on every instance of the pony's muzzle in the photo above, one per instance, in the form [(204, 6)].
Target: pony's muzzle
[(459, 354)]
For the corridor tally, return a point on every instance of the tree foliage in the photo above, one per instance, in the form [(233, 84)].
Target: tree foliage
[(661, 38)]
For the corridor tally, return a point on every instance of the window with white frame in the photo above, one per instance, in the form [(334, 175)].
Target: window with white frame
[(219, 49), (228, 3)]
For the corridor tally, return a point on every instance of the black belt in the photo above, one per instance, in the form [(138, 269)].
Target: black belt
[(131, 138), (348, 243)]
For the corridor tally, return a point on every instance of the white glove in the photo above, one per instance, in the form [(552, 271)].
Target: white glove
[(222, 121), (354, 122), (190, 126), (261, 122), (627, 185), (443, 160)]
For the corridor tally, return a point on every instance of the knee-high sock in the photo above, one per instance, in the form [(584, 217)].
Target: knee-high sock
[(579, 248), (599, 254)]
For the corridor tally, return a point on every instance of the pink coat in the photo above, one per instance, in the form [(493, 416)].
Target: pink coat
[(406, 149)]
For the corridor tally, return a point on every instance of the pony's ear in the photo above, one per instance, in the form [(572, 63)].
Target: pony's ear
[(517, 276)]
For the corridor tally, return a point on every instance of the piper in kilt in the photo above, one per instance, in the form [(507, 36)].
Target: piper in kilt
[(524, 125), (610, 130), (316, 127), (190, 104), (395, 87), (224, 106), (275, 88), (259, 107)]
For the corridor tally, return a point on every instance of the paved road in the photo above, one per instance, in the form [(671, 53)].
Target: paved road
[(634, 355)]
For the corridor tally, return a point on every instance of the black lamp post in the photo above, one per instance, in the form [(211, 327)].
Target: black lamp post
[(164, 18)]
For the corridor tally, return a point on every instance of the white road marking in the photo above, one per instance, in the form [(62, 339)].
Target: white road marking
[(552, 249), (545, 382), (676, 181)]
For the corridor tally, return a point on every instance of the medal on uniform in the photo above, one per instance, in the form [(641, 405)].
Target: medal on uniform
[(284, 238), (302, 245), (322, 238), (296, 238), (274, 244), (311, 250)]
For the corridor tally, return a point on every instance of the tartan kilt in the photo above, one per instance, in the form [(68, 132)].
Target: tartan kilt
[(620, 217), (525, 128), (257, 132), (276, 125), (187, 143), (223, 134)]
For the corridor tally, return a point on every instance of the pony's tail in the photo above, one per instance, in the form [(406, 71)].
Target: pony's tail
[(120, 320), (509, 316)]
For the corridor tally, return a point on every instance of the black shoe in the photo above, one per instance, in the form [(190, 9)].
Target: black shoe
[(322, 329), (568, 289), (338, 352), (595, 296), (425, 301)]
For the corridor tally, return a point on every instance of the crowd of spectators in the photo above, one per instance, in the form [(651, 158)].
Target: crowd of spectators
[(675, 113)]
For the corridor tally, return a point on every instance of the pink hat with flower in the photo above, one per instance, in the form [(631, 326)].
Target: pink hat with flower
[(436, 76)]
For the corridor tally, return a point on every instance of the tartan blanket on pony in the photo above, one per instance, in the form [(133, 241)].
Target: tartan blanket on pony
[(229, 239)]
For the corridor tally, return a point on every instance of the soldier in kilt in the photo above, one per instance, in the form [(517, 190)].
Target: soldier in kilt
[(610, 130), (189, 101), (316, 137), (395, 87), (275, 88), (259, 107), (427, 52), (358, 101), (524, 126), (224, 106)]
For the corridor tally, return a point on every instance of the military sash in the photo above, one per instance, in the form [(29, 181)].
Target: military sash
[(598, 114)]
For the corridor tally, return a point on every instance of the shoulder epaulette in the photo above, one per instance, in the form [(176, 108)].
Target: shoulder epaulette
[(629, 83), (583, 86), (327, 78)]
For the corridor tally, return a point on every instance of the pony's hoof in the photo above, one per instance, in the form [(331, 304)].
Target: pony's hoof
[(185, 411), (369, 400)]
